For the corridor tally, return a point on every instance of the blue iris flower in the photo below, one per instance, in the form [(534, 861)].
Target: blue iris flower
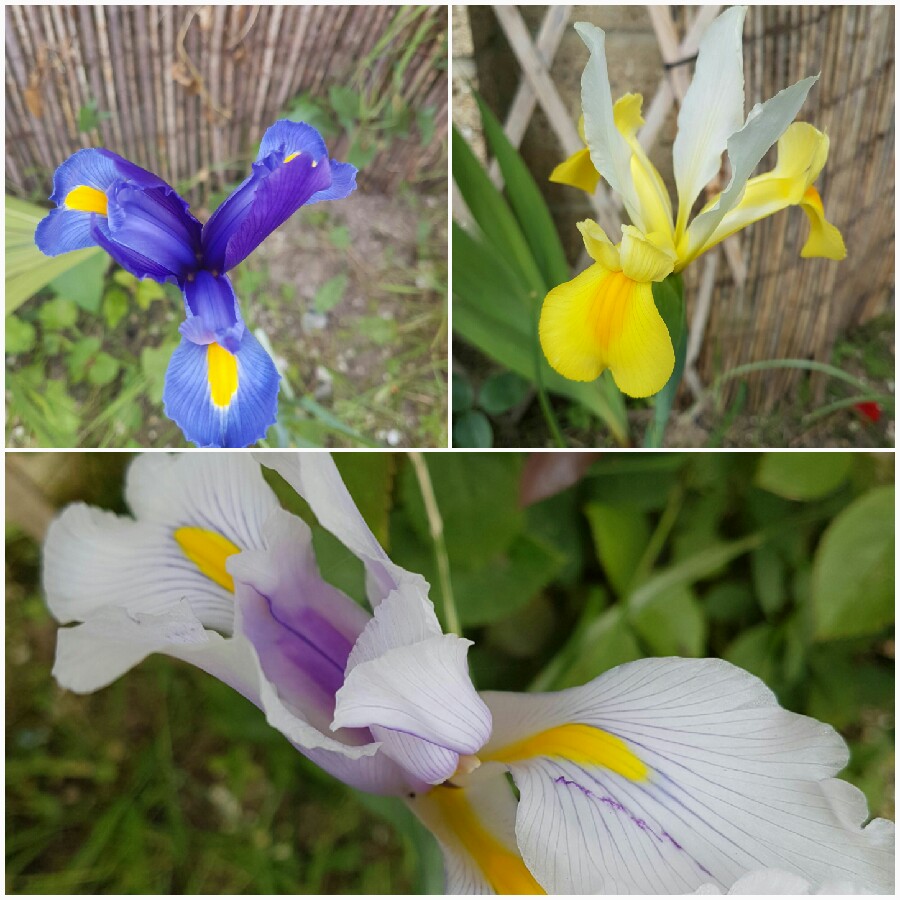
[(221, 386)]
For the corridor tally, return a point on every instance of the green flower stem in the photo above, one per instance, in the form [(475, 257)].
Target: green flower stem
[(436, 527)]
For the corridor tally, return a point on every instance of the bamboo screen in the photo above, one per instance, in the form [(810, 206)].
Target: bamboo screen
[(788, 307), (190, 89)]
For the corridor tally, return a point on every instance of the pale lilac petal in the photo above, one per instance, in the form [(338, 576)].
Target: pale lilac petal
[(734, 784), (428, 763), (315, 477)]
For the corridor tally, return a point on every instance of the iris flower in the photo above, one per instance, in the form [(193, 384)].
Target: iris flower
[(605, 318), (660, 776), (221, 386)]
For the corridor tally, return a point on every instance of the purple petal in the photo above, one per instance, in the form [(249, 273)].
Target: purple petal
[(63, 230), (272, 194), (287, 137), (99, 169), (214, 314)]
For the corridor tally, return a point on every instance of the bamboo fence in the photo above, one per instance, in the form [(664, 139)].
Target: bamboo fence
[(765, 301), (189, 90)]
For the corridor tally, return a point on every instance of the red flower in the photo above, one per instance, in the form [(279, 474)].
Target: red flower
[(869, 410)]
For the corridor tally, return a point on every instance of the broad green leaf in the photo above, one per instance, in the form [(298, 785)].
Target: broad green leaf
[(853, 571), (330, 293), (803, 476), (671, 623), (27, 269), (115, 305), (103, 370), (502, 391), (757, 650), (58, 314), (472, 429), (669, 298), (493, 216), (20, 335), (146, 292), (462, 395), (642, 480), (477, 498), (606, 643), (370, 479), (526, 201), (621, 534), (80, 357), (154, 362), (83, 283), (769, 575)]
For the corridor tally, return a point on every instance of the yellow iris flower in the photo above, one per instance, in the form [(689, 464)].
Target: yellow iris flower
[(605, 318)]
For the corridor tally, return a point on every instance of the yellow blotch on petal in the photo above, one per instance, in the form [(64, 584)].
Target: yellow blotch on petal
[(222, 374), (602, 319), (824, 239), (208, 551), (582, 744), (501, 867), (86, 199), (577, 171)]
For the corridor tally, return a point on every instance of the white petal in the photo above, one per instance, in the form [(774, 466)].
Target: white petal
[(94, 559), (315, 477), (422, 689), (735, 784), (475, 828), (776, 882), (610, 152), (222, 492), (426, 762), (713, 109), (765, 124)]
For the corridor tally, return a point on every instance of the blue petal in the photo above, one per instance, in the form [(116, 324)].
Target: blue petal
[(64, 230), (253, 407), (343, 182), (131, 260), (157, 224), (287, 137), (274, 192), (98, 168), (213, 311)]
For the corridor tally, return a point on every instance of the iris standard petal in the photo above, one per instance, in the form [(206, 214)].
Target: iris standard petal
[(475, 829), (664, 775), (610, 152), (213, 311), (604, 320), (765, 124), (405, 675), (291, 139), (315, 477), (712, 111), (222, 399), (273, 193)]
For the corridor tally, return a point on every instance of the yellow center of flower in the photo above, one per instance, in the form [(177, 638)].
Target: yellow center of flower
[(222, 374), (581, 744), (502, 868), (86, 199), (208, 552), (291, 156)]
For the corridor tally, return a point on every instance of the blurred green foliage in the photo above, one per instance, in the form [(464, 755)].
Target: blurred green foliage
[(169, 782)]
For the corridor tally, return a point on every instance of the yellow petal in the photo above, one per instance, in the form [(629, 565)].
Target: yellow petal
[(824, 239), (802, 152), (655, 203), (599, 247), (604, 320), (577, 171), (646, 257)]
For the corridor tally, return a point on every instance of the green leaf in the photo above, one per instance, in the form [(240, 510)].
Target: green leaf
[(46, 409), (621, 534), (20, 335), (115, 305), (154, 362), (58, 314), (346, 104), (477, 497), (853, 570), (83, 283), (526, 201), (330, 293), (339, 237), (803, 476), (462, 395), (425, 122), (80, 356), (671, 623), (757, 651), (104, 370), (27, 269), (147, 292), (472, 429), (502, 391), (494, 217), (370, 479), (769, 578)]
